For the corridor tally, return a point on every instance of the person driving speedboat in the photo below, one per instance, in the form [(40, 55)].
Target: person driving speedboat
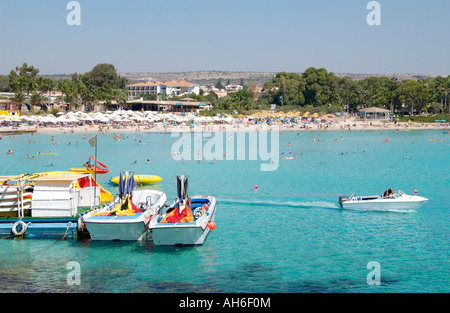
[(388, 193)]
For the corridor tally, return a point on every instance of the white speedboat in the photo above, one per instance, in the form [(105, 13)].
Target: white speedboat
[(126, 218), (394, 201), (187, 222)]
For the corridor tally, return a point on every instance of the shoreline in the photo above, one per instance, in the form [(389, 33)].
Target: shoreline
[(160, 128)]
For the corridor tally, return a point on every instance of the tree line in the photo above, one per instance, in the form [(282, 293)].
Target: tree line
[(315, 90), (102, 83), (320, 90)]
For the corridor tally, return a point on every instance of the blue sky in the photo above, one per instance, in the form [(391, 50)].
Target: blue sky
[(245, 35)]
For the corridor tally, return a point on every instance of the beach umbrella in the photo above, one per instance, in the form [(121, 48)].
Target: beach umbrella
[(48, 119), (72, 119)]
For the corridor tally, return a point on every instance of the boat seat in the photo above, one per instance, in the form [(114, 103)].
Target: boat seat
[(199, 200), (195, 205)]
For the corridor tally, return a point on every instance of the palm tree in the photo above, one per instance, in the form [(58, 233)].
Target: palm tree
[(36, 99), (119, 95), (48, 86), (19, 97), (65, 87)]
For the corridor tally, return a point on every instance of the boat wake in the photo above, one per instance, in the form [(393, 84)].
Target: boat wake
[(272, 203)]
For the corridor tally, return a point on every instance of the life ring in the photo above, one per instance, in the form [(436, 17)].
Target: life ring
[(23, 228)]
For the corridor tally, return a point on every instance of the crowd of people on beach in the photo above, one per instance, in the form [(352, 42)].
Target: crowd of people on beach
[(151, 121)]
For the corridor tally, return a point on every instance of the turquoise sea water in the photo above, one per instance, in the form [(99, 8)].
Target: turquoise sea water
[(287, 236)]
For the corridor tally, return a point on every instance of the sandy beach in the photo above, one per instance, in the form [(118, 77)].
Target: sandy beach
[(242, 125)]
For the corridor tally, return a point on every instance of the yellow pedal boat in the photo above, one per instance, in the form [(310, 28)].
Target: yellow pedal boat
[(140, 179)]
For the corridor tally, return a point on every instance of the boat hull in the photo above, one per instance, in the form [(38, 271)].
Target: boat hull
[(116, 230), (406, 203), (127, 228), (179, 235)]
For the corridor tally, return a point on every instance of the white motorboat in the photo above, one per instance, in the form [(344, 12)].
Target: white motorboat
[(187, 222), (126, 218), (394, 201)]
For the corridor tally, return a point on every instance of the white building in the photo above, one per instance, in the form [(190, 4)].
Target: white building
[(233, 88), (219, 92), (173, 88)]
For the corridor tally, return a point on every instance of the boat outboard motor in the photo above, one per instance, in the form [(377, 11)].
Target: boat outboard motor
[(342, 199), (182, 187)]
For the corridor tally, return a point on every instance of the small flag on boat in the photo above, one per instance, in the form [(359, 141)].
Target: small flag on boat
[(93, 141)]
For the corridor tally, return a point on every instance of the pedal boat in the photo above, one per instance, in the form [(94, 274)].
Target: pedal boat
[(126, 227), (196, 216)]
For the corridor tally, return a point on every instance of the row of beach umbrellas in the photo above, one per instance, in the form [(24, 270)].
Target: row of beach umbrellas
[(120, 116), (291, 114)]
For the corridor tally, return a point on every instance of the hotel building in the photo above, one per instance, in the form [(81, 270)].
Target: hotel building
[(173, 88)]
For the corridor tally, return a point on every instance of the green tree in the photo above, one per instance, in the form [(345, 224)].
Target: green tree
[(439, 89), (236, 100), (119, 95), (379, 91), (211, 97), (37, 100), (23, 78), (4, 84), (20, 98), (219, 84), (284, 89), (105, 76), (321, 87), (348, 94), (65, 86), (412, 95)]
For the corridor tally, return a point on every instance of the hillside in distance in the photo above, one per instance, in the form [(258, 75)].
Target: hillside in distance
[(203, 77), (211, 77)]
